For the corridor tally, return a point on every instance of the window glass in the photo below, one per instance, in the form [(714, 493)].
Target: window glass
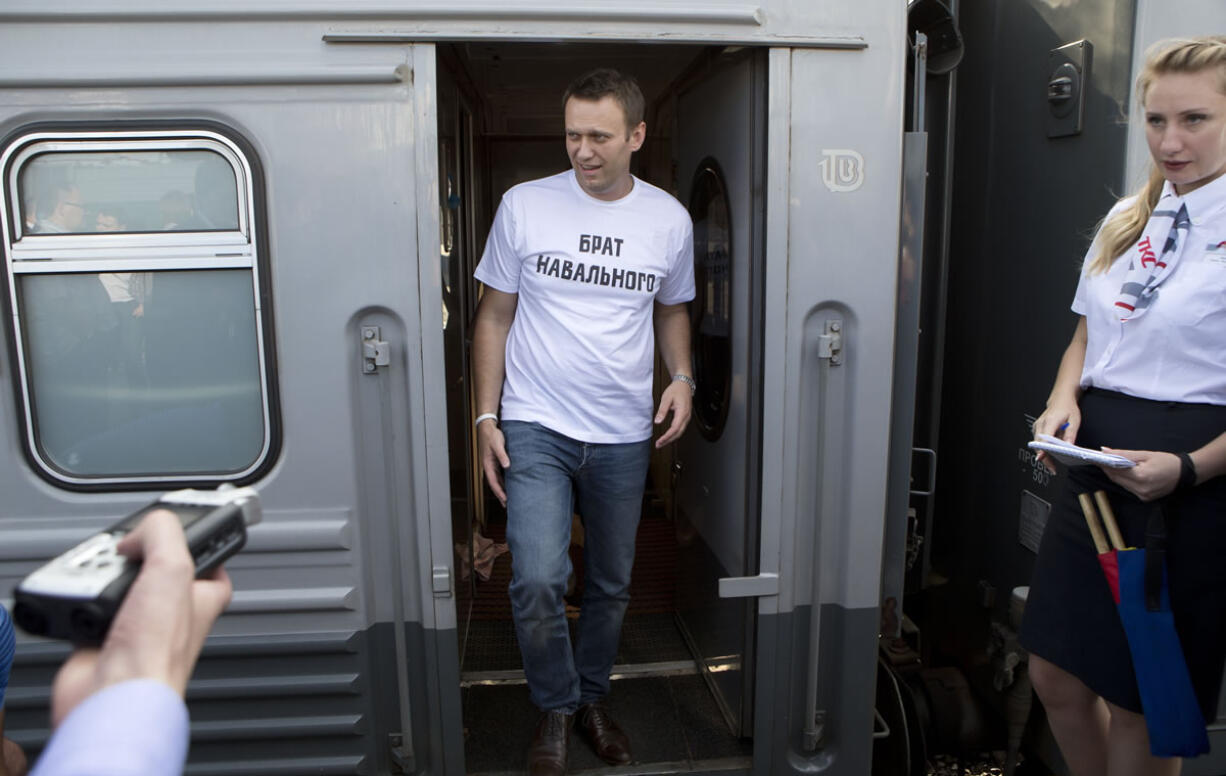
[(128, 191), (135, 374), (712, 306)]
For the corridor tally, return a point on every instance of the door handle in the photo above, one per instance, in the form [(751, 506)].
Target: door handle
[(932, 471), (749, 587)]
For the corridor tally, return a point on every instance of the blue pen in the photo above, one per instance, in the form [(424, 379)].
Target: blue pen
[(1062, 427)]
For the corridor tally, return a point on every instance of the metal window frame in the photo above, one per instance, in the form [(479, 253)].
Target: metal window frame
[(54, 254), (45, 143)]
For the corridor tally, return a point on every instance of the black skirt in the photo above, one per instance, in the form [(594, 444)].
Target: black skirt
[(1070, 617)]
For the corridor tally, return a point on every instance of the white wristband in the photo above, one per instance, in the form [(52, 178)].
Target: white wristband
[(485, 416)]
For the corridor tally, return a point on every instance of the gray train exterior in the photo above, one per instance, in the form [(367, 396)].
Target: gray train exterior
[(338, 652)]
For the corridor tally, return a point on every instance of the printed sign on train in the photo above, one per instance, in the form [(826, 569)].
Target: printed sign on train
[(842, 169)]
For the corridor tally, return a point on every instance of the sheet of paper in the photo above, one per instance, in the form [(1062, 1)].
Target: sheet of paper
[(1072, 455)]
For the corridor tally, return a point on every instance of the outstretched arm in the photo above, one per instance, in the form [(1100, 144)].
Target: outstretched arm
[(160, 627), (119, 710), (672, 322)]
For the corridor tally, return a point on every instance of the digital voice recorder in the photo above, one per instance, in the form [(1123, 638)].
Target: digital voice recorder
[(76, 595)]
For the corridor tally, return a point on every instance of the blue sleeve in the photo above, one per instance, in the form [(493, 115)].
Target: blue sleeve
[(8, 645), (134, 728)]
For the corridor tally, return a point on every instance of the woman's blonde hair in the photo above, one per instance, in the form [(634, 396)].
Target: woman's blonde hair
[(1179, 55)]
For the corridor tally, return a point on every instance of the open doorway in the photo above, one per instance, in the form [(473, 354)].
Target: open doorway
[(683, 677)]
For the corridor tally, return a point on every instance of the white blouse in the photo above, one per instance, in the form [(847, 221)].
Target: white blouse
[(1176, 351)]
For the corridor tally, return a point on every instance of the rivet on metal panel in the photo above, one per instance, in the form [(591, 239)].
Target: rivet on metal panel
[(375, 352), (830, 342)]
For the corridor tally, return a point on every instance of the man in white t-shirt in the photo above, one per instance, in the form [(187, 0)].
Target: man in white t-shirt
[(584, 271)]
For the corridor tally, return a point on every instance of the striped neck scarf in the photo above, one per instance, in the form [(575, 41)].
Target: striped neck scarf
[(1147, 266)]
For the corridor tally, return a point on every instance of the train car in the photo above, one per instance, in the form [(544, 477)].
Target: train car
[(239, 245)]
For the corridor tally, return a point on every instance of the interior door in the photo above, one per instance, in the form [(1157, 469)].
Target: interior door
[(721, 166)]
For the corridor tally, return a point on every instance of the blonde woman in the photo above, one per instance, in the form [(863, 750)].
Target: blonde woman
[(1145, 377)]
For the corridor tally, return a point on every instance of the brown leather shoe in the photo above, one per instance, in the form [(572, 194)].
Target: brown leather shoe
[(611, 744), (548, 756)]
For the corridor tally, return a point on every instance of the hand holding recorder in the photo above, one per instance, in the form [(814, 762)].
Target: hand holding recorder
[(149, 589), (160, 627), (77, 594)]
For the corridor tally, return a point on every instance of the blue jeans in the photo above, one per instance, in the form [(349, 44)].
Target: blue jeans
[(550, 474)]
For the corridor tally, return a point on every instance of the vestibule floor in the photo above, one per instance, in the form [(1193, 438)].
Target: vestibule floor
[(659, 697)]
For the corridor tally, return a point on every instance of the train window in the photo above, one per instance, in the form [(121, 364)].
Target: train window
[(712, 307), (134, 280), (75, 192)]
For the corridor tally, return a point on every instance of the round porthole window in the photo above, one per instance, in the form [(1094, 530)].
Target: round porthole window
[(711, 311)]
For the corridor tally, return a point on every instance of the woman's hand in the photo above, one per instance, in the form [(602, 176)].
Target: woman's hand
[(1154, 476), (1061, 419)]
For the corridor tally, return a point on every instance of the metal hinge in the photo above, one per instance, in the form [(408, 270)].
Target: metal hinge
[(830, 342), (375, 351), (402, 758)]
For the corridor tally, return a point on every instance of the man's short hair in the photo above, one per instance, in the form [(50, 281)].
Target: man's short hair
[(607, 82)]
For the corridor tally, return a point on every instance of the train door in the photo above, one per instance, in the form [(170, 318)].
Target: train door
[(456, 203), (720, 153), (660, 695)]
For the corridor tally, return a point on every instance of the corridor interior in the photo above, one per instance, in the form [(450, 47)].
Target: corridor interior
[(499, 124)]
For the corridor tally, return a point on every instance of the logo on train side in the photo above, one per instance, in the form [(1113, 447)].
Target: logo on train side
[(842, 169)]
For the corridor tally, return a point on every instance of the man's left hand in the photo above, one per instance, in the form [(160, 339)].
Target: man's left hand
[(679, 400)]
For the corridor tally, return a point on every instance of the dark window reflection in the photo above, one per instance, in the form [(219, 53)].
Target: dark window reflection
[(143, 373), (712, 308), (82, 192)]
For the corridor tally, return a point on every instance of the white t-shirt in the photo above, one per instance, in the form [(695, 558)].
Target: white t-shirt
[(1176, 351), (581, 348)]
